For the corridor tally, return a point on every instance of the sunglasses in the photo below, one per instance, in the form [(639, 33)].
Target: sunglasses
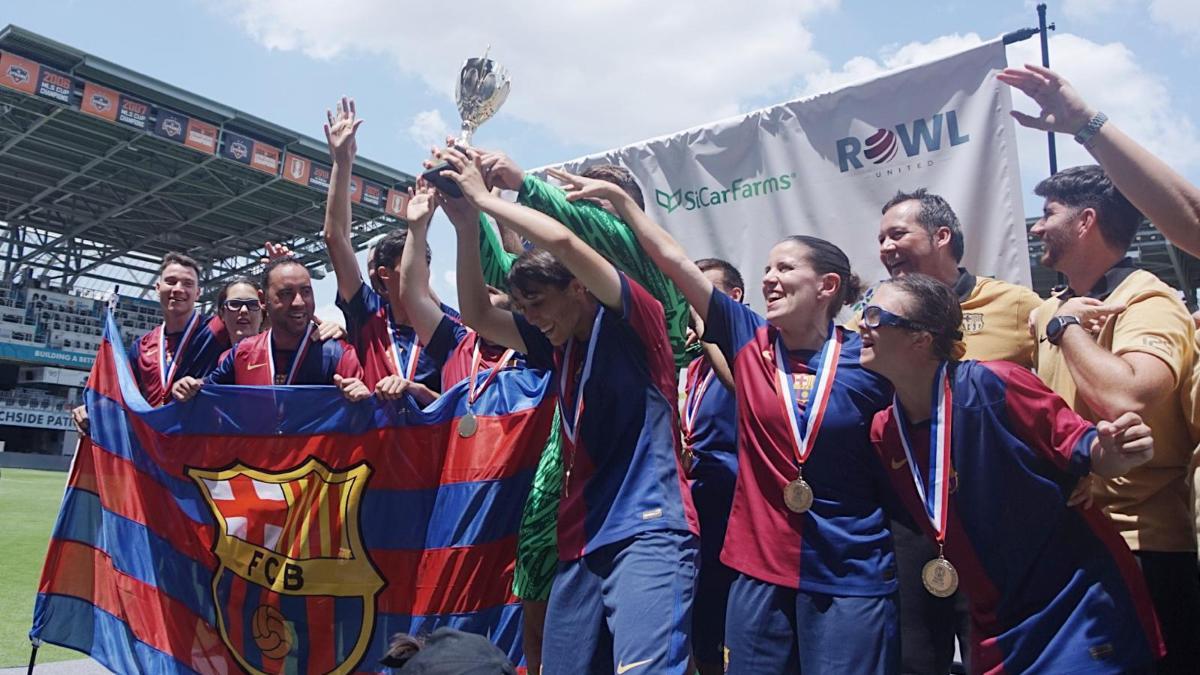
[(875, 316), (238, 305)]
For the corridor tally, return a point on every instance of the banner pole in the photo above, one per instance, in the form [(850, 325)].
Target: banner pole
[(1043, 28), (34, 643)]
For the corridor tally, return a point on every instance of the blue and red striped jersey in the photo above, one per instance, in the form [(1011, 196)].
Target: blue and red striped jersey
[(247, 363), (370, 328), (201, 354), (842, 545), (713, 437), (1052, 588), (626, 477)]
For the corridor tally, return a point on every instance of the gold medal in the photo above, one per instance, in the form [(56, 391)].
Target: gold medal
[(940, 577), (467, 426), (798, 496)]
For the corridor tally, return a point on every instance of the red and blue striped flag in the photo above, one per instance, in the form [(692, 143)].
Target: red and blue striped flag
[(283, 529)]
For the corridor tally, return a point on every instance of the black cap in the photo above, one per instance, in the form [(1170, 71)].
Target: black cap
[(448, 651)]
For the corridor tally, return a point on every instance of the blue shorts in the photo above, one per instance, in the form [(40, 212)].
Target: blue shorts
[(773, 629), (713, 496), (626, 607)]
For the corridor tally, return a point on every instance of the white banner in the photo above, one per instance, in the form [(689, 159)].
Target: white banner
[(825, 166)]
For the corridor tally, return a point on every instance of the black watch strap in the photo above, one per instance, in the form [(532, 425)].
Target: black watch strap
[(1057, 326)]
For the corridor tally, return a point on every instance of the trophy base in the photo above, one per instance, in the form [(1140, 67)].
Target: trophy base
[(444, 185)]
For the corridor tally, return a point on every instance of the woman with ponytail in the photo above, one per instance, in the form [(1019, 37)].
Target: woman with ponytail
[(984, 457), (807, 535)]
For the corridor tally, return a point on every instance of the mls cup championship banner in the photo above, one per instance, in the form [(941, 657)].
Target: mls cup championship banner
[(284, 529), (825, 165)]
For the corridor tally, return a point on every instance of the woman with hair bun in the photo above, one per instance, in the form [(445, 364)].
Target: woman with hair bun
[(807, 534), (984, 457)]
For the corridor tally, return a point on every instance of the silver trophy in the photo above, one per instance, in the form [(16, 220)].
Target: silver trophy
[(482, 89)]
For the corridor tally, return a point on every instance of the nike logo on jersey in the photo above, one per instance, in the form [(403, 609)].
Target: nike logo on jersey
[(897, 463), (252, 366), (622, 669)]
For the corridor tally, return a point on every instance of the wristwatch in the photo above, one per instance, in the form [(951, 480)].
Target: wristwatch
[(1057, 325), (1091, 128)]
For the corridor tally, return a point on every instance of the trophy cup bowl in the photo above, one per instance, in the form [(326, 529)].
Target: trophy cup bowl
[(482, 88)]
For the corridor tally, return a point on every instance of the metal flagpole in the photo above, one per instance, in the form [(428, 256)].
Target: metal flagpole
[(1042, 27)]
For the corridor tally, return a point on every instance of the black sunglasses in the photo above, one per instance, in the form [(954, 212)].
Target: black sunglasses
[(875, 316), (237, 305)]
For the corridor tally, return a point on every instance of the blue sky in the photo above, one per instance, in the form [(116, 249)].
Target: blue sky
[(593, 75)]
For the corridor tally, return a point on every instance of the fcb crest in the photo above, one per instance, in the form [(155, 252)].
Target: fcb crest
[(972, 323), (294, 588)]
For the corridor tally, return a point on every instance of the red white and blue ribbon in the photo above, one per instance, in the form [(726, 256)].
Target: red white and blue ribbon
[(297, 356), (806, 424), (169, 363), (407, 371), (934, 490), (570, 422), (695, 396), (476, 362)]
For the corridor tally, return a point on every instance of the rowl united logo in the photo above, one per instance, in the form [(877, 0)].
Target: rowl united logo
[(293, 572), (738, 189), (909, 140)]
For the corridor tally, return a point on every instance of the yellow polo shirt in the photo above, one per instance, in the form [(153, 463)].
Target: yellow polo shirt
[(1149, 505), (995, 324)]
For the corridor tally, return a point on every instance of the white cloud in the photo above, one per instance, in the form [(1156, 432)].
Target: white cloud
[(428, 129), (862, 67), (1179, 16), (598, 73), (1108, 76)]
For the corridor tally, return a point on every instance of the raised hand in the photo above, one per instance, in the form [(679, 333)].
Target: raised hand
[(578, 187), (340, 129), (465, 173), (422, 202), (274, 251), (1063, 110)]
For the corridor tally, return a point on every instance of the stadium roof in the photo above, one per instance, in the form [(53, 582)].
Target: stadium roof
[(103, 170)]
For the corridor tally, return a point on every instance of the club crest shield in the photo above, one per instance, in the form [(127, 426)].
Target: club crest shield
[(294, 588)]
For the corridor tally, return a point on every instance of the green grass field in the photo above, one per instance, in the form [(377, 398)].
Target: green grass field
[(28, 503)]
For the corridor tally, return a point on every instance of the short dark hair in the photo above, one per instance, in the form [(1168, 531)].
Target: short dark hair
[(176, 258), (827, 258), (275, 264), (234, 281), (619, 176), (936, 309), (1083, 187), (935, 213), (535, 268), (730, 276), (389, 249)]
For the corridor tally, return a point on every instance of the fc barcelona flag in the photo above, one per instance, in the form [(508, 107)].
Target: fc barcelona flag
[(284, 529)]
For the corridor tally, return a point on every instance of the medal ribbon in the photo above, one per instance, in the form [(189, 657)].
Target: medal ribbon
[(476, 361), (814, 413), (695, 395), (570, 423), (167, 365), (410, 372), (297, 358), (937, 496)]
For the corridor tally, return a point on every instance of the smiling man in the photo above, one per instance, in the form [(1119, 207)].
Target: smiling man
[(920, 233)]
